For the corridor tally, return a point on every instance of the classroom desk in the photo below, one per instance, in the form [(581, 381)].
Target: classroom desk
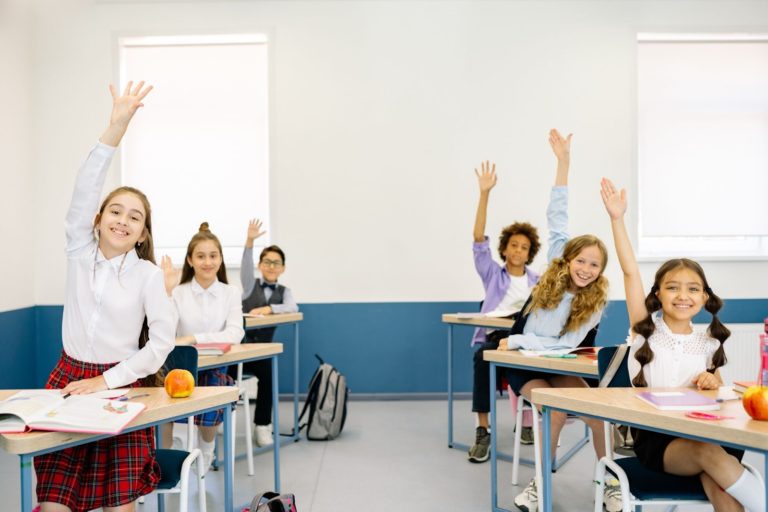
[(580, 366), (160, 409), (620, 405), (260, 322), (452, 320)]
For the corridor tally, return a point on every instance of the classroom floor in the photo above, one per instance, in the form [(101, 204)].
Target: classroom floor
[(392, 455)]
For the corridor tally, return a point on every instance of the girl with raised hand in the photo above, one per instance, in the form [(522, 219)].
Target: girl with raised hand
[(666, 352), (117, 328), (507, 286), (564, 308), (208, 311)]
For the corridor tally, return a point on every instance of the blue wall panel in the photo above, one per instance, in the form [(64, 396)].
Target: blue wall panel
[(388, 347)]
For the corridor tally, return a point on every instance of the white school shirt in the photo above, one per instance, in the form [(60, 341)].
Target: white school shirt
[(211, 315), (516, 295), (678, 358), (106, 300)]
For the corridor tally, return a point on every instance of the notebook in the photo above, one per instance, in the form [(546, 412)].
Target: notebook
[(47, 409), (740, 386), (562, 352), (212, 349), (679, 401)]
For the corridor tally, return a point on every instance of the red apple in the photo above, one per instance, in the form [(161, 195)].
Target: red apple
[(755, 402), (179, 383)]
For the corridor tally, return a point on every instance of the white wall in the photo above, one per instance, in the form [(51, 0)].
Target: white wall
[(17, 207), (380, 111)]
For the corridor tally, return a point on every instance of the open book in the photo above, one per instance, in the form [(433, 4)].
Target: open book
[(562, 352), (47, 409), (490, 314), (679, 401), (212, 349)]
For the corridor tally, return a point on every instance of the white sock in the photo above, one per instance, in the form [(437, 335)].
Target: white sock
[(206, 447), (748, 491)]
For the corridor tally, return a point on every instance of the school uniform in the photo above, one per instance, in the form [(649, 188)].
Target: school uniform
[(211, 315), (106, 302), (677, 360), (503, 292), (542, 328), (258, 293)]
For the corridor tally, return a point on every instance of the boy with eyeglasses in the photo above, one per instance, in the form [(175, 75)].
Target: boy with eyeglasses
[(263, 296)]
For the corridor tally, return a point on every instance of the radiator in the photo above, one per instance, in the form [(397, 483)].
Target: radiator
[(742, 350)]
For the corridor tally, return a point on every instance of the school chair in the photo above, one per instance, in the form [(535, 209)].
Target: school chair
[(175, 465), (639, 485)]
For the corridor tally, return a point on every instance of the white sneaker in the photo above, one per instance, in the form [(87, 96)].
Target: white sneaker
[(612, 495), (528, 500), (263, 435)]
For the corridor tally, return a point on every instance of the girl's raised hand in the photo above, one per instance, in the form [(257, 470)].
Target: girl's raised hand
[(125, 105), (561, 146), (170, 274), (486, 177), (254, 229), (615, 202)]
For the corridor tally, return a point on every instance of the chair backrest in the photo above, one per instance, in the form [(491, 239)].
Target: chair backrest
[(604, 357), (183, 357)]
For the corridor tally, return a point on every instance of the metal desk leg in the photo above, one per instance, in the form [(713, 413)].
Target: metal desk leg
[(25, 467), (275, 422), (450, 386), (546, 460), (295, 382), (229, 463), (494, 437), (158, 445)]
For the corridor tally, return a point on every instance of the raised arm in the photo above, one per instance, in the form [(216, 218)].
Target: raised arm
[(616, 206), (123, 109), (486, 179), (561, 147), (247, 268), (170, 275)]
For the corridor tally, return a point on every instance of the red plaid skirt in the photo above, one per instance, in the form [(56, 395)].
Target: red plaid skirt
[(105, 473)]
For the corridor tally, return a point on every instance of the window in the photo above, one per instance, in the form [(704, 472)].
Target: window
[(200, 147), (703, 146)]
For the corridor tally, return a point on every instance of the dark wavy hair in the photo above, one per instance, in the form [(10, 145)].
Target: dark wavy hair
[(187, 272), (520, 228), (646, 326)]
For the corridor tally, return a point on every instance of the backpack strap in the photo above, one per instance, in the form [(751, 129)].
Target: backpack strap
[(613, 365), (262, 499)]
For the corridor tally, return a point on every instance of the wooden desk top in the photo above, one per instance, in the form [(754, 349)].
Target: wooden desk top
[(238, 354), (580, 364), (499, 323), (620, 404), (270, 320), (159, 406)]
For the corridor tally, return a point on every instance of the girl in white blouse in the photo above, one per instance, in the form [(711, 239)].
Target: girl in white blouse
[(208, 311), (117, 328), (666, 352)]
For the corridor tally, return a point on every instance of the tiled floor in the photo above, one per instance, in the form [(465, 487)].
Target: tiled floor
[(392, 456)]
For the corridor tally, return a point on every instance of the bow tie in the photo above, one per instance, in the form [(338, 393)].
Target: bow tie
[(270, 286)]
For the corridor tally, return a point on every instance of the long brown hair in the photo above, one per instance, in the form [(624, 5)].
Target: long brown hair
[(646, 326), (187, 272), (556, 280), (145, 250)]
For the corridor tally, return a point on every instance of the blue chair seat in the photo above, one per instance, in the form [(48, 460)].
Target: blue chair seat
[(170, 467), (646, 484)]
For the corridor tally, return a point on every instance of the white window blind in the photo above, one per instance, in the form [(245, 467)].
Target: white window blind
[(199, 148), (703, 145)]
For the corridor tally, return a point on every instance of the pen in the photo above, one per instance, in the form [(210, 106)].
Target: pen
[(561, 356), (721, 400), (126, 398)]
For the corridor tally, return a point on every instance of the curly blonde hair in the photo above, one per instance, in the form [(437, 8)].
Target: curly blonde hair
[(556, 280)]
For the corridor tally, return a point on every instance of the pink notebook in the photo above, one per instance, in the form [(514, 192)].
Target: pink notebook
[(679, 401)]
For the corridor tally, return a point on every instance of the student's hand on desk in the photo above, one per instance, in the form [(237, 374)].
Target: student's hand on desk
[(264, 310), (504, 344), (486, 177), (186, 340), (85, 386), (706, 380)]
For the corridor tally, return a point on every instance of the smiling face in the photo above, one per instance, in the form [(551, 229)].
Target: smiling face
[(271, 266), (121, 224), (585, 267), (205, 260), (681, 294)]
